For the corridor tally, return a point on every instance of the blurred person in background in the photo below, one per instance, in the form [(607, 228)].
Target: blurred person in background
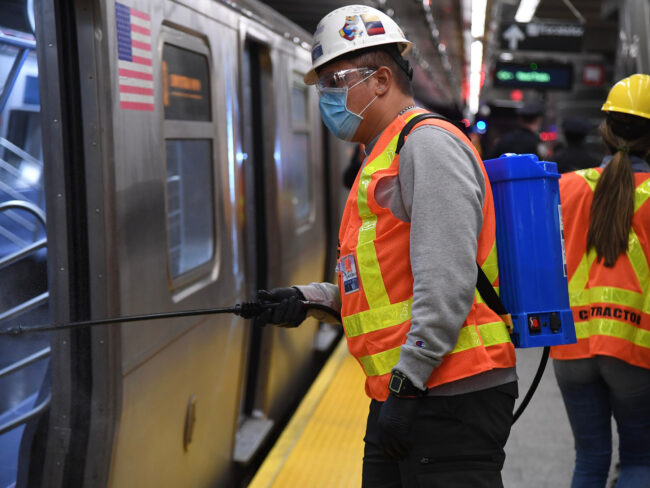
[(575, 154), (523, 139), (606, 216)]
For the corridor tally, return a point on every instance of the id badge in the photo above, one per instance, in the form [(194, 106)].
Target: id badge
[(348, 269)]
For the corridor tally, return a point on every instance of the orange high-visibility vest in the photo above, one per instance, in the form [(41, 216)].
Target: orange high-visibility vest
[(377, 317), (611, 306)]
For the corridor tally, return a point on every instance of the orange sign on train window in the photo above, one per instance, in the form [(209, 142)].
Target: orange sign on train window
[(186, 87)]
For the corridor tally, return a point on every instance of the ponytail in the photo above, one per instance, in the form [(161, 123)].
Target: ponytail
[(612, 208)]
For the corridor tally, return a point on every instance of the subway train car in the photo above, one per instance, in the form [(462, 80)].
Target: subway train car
[(185, 166)]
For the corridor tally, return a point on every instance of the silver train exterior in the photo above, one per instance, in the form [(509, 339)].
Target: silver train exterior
[(185, 167)]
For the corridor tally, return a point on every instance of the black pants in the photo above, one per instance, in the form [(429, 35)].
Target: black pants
[(458, 442)]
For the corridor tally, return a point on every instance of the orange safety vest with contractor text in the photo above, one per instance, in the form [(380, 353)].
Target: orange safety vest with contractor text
[(611, 306), (376, 280)]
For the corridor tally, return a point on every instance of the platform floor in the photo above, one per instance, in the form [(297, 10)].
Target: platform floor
[(322, 446), (539, 452)]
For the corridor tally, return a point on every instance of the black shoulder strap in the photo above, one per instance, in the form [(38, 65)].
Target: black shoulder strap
[(483, 285), (490, 297), (416, 120), (488, 292)]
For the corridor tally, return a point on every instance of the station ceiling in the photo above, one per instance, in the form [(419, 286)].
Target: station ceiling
[(442, 39)]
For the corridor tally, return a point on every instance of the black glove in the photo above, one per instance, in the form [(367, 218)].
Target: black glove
[(396, 418), (289, 313)]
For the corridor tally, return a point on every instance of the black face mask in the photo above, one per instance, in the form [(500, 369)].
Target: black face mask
[(628, 127)]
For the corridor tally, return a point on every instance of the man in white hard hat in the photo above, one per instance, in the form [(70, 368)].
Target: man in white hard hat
[(417, 229)]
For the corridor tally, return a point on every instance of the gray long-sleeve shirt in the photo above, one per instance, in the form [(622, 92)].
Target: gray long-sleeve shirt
[(440, 191)]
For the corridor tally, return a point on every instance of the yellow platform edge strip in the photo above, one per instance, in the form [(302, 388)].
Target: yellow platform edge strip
[(278, 455)]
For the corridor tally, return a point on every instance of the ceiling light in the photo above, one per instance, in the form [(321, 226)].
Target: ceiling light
[(478, 17), (526, 10), (476, 57), (476, 64)]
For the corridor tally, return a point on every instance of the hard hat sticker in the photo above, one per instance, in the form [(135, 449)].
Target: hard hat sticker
[(350, 29), (316, 52), (373, 25)]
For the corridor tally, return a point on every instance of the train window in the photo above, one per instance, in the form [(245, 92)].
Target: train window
[(297, 171), (190, 147), (190, 216), (186, 84)]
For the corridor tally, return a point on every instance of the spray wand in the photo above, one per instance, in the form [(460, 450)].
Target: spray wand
[(247, 310)]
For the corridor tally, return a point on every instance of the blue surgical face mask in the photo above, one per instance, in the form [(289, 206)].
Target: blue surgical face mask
[(335, 114)]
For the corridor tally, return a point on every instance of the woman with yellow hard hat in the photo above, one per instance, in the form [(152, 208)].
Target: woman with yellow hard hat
[(606, 216)]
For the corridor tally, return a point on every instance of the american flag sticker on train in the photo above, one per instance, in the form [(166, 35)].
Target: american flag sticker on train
[(134, 58)]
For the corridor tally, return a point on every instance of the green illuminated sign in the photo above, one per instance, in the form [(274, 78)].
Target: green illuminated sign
[(534, 75), (504, 75), (524, 76)]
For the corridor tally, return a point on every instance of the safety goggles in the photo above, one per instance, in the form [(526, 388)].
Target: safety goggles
[(343, 78)]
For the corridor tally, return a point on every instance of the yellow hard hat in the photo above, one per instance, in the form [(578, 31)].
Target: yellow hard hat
[(631, 96)]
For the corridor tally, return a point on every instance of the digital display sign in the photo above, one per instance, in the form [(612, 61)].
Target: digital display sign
[(534, 75), (186, 84)]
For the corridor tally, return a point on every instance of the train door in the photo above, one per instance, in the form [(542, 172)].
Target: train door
[(285, 235), (258, 134)]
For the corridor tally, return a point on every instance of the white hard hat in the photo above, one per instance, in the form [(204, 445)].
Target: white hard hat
[(349, 29)]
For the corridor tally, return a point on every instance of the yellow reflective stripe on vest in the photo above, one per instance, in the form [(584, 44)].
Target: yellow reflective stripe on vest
[(613, 296), (380, 363), (369, 270), (490, 266), (613, 328), (635, 251), (377, 318), (582, 330), (373, 283), (637, 259), (488, 334), (578, 281), (641, 194), (579, 295), (494, 333), (491, 269), (591, 176)]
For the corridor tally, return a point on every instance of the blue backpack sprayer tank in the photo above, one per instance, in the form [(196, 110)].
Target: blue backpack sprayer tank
[(532, 261), (530, 249)]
